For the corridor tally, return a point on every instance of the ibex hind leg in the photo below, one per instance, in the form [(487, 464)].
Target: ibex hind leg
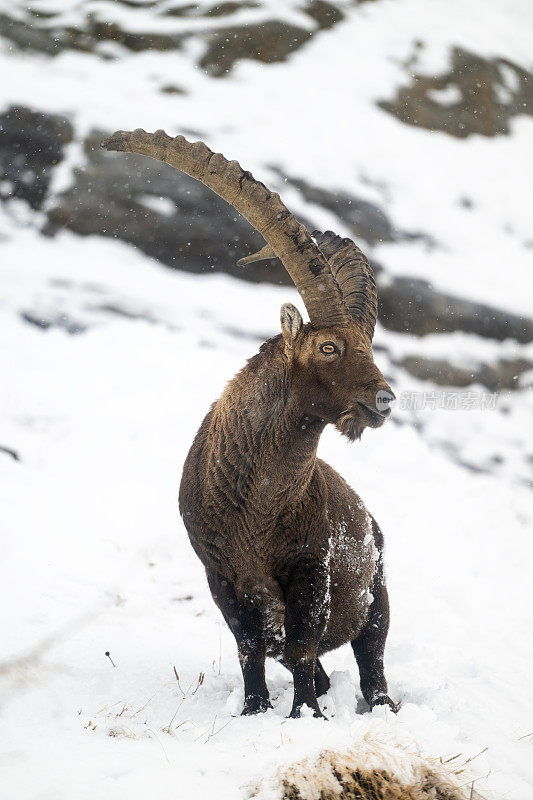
[(369, 647), (244, 619)]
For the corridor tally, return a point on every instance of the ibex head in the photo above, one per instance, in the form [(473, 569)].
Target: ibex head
[(332, 372), (330, 360)]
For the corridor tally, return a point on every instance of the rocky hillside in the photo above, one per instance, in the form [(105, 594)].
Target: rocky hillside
[(409, 136)]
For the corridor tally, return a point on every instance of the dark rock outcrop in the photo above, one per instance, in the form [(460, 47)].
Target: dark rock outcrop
[(411, 305), (31, 144), (504, 374), (53, 320), (22, 35), (486, 94), (365, 220), (181, 223), (164, 213), (45, 35), (269, 41), (199, 232), (326, 15)]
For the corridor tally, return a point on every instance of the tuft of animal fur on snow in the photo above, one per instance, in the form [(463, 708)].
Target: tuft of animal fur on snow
[(370, 770)]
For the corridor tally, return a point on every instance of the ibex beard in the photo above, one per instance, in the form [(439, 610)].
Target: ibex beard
[(293, 559)]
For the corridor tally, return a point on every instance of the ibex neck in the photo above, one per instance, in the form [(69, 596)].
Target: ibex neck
[(264, 447)]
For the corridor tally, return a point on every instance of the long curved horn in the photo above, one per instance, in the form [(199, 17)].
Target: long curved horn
[(263, 209), (355, 277)]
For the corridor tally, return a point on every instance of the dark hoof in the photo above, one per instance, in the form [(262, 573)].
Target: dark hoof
[(296, 713), (384, 700), (255, 705)]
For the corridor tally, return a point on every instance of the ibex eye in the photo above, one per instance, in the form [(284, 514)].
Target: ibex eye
[(328, 348)]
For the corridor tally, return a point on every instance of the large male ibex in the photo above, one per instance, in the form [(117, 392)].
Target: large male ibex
[(293, 558)]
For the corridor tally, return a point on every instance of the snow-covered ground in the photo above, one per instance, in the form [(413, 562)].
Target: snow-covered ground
[(93, 554), (95, 558)]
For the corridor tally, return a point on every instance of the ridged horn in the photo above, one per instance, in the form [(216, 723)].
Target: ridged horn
[(355, 277), (262, 208)]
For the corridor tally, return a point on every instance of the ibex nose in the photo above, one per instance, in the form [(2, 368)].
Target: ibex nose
[(384, 400)]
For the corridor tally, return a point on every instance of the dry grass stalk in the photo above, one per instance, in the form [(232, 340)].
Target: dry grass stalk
[(370, 770)]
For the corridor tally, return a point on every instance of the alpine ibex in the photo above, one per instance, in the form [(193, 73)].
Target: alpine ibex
[(293, 558)]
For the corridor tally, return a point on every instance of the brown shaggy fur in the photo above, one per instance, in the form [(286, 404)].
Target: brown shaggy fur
[(292, 556)]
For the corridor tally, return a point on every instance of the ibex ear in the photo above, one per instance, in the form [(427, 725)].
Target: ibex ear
[(291, 324)]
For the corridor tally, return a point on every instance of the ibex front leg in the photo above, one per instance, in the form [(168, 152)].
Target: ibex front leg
[(245, 622), (305, 588)]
